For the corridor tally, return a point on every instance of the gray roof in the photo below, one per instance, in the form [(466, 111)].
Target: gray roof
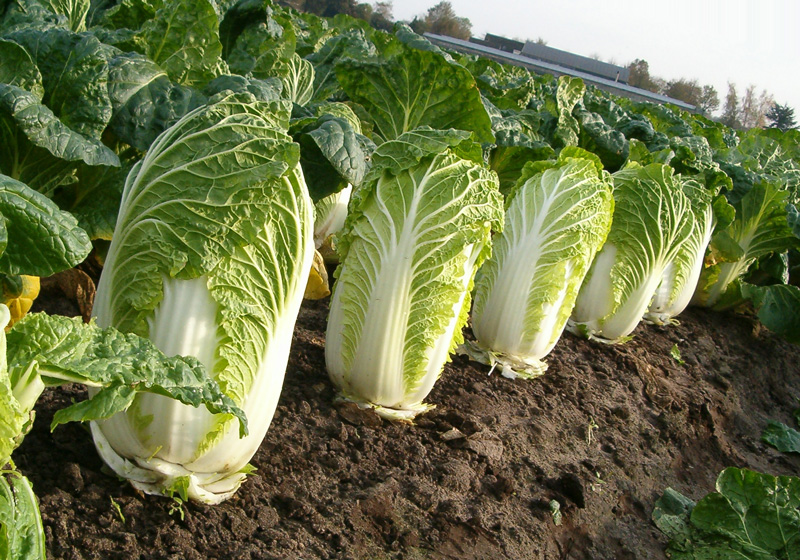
[(576, 62), (542, 67)]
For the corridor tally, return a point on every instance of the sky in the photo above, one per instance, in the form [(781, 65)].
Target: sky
[(744, 42)]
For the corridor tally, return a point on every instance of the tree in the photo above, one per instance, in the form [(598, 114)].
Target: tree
[(688, 91), (730, 114), (640, 75), (336, 7), (362, 11), (385, 9), (753, 111), (709, 100), (419, 25), (442, 20), (781, 117), (382, 16)]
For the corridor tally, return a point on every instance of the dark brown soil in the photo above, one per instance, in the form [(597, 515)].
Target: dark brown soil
[(603, 433)]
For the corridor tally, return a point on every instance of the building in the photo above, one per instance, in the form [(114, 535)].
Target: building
[(547, 60)]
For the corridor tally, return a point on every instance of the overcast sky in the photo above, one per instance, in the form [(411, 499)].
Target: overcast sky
[(713, 41)]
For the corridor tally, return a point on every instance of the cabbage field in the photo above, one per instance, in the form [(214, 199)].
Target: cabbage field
[(280, 286)]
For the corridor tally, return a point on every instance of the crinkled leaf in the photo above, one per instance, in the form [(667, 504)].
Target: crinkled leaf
[(508, 87), (130, 14), (257, 41), (781, 437), (28, 14), (751, 516), (567, 129), (183, 39), (38, 148), (753, 512), (298, 83), (508, 162), (599, 138), (18, 69), (350, 44), (74, 10), (12, 417), (778, 308), (236, 141), (94, 199), (671, 515), (21, 531), (312, 31), (761, 227), (413, 89), (42, 239), (75, 77), (263, 90), (333, 155), (411, 147), (67, 350), (146, 102)]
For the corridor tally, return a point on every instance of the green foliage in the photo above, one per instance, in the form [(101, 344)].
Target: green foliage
[(62, 350), (781, 437), (415, 88), (36, 237), (781, 117), (750, 516), (21, 530)]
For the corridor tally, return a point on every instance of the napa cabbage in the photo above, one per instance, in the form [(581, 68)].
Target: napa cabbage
[(652, 220), (417, 229), (761, 227), (556, 219), (682, 273), (209, 258)]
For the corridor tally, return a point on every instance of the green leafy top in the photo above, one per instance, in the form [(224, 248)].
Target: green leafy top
[(751, 516), (415, 88), (36, 237)]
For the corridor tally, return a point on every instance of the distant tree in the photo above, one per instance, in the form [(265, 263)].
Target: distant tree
[(314, 6), (385, 9), (442, 20), (747, 110), (382, 16), (688, 91), (765, 103), (335, 7), (419, 25), (362, 11), (753, 110), (640, 75), (730, 113), (709, 100), (781, 117)]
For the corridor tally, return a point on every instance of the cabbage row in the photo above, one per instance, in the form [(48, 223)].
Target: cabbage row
[(215, 157)]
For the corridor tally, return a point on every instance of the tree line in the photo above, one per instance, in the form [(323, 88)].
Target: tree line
[(753, 110), (440, 19)]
